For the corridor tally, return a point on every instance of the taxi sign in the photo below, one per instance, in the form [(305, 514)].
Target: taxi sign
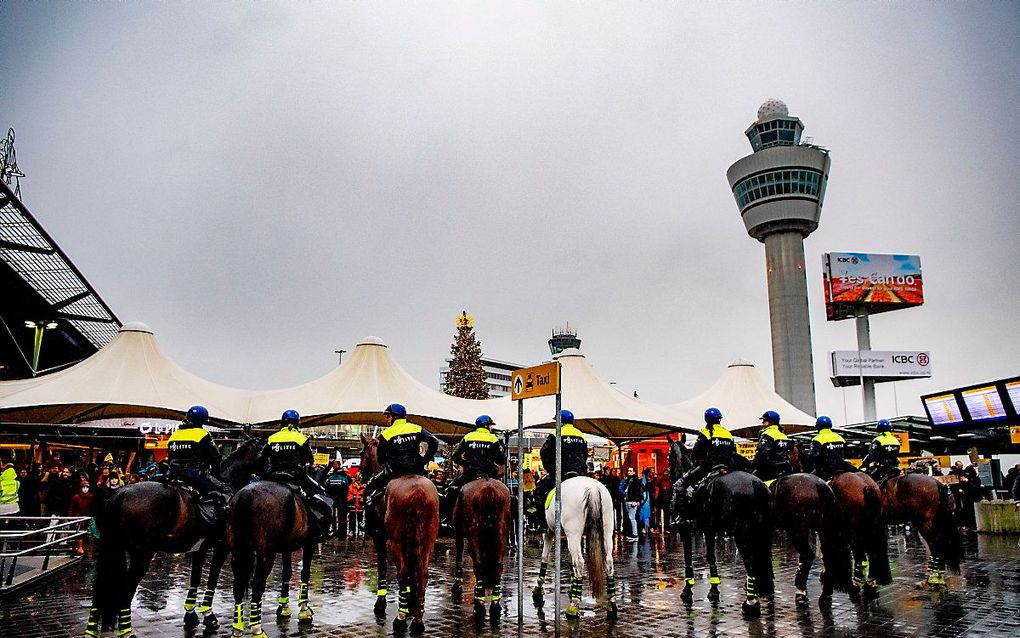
[(537, 381)]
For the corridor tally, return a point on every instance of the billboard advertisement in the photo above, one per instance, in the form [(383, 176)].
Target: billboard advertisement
[(986, 405), (876, 282), (847, 367)]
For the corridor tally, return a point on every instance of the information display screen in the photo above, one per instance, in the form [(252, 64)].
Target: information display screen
[(984, 403), (1013, 390), (944, 410)]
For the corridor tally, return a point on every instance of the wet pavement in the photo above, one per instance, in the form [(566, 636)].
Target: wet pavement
[(983, 600)]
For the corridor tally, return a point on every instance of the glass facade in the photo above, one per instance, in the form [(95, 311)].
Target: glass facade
[(775, 133), (785, 182)]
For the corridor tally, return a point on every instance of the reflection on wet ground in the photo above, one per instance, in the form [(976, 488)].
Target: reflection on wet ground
[(983, 600)]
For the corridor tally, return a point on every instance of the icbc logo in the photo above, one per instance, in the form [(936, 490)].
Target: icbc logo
[(922, 359)]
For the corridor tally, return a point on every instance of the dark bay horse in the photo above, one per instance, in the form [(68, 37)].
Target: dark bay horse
[(149, 517), (860, 501), (927, 505), (739, 504), (804, 505), (265, 519), (410, 516), (481, 517)]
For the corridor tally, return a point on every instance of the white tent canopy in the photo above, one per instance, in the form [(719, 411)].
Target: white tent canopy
[(742, 396), (359, 390), (598, 407), (130, 377)]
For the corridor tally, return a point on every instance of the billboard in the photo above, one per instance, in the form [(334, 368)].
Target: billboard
[(847, 367), (878, 283), (986, 405)]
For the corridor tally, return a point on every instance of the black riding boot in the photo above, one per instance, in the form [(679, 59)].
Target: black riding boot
[(446, 503)]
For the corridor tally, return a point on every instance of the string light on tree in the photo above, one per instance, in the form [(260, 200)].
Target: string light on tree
[(466, 378)]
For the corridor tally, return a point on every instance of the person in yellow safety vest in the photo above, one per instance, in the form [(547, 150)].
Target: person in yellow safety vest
[(825, 457), (574, 452), (714, 447), (399, 453), (481, 454), (883, 459), (194, 460), (772, 458), (287, 457), (9, 484)]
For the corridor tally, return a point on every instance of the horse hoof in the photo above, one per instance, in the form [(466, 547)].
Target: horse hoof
[(713, 594), (825, 602), (211, 622), (479, 610), (870, 591), (457, 592), (190, 620), (801, 599), (750, 610), (537, 596), (687, 595), (573, 611), (612, 611), (495, 610), (305, 616), (283, 613), (399, 625), (380, 606), (417, 628)]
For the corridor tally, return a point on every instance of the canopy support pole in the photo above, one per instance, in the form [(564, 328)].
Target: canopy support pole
[(559, 501), (520, 513)]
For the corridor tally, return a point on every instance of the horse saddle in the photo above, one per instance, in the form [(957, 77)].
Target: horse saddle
[(552, 493)]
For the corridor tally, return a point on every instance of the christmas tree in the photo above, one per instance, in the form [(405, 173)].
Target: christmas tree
[(466, 378)]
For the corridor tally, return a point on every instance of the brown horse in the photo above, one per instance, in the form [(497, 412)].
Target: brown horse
[(481, 516), (927, 505), (860, 499), (409, 511), (149, 517), (804, 505), (264, 519)]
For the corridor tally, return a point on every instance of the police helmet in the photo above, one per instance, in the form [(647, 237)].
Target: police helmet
[(884, 425), (290, 417), (484, 421), (823, 422), (396, 411), (566, 416), (197, 414), (771, 417), (713, 415)]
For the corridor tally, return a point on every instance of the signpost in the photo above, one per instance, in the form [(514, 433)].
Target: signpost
[(528, 383)]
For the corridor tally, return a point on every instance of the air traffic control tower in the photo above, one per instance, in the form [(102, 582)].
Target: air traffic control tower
[(779, 190)]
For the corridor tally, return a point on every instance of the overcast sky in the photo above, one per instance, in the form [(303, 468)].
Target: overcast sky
[(264, 183)]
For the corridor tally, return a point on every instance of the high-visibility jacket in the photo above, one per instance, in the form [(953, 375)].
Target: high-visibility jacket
[(714, 446), (773, 449), (191, 448), (400, 447), (884, 450), (9, 485), (480, 453), (287, 451), (827, 451), (574, 451)]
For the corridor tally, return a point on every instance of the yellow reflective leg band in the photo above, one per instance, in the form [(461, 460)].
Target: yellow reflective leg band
[(124, 623), (714, 580), (92, 625)]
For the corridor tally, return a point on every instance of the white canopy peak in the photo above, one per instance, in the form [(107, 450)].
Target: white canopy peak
[(136, 326), (372, 341)]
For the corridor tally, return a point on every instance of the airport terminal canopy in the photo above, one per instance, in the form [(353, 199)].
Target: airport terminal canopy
[(743, 397), (598, 407), (359, 390), (129, 377)]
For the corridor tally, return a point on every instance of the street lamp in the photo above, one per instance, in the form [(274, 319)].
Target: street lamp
[(39, 327), (340, 356)]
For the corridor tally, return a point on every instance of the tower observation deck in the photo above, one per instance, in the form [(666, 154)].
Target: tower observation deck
[(779, 189)]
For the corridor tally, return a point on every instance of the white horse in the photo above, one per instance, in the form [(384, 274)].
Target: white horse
[(587, 520)]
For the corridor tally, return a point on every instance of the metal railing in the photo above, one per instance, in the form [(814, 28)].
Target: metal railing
[(34, 541)]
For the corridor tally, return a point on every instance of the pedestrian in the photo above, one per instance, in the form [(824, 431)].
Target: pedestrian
[(1011, 475), (59, 491), (9, 486), (613, 485), (645, 512), (338, 483), (81, 505), (663, 490), (633, 494)]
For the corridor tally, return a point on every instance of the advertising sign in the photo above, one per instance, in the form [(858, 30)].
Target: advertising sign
[(848, 366), (878, 283), (747, 449)]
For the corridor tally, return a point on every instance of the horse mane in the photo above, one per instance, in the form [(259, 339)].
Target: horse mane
[(241, 461)]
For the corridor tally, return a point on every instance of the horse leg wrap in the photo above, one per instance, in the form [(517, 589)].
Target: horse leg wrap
[(611, 588), (479, 592), (749, 588), (542, 570), (936, 571), (124, 623), (255, 618), (206, 606), (283, 610), (302, 598), (382, 588), (191, 599), (238, 624), (575, 587), (404, 602), (92, 625), (800, 580), (497, 592), (714, 580)]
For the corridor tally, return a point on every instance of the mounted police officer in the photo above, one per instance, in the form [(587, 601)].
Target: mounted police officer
[(714, 448), (574, 450), (825, 457), (400, 453), (883, 459), (287, 458), (481, 454), (772, 458), (194, 460)]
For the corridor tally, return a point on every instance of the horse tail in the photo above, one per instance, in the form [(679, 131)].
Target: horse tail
[(490, 535), (761, 539), (595, 542), (240, 522), (111, 561), (951, 547), (835, 548), (877, 542)]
